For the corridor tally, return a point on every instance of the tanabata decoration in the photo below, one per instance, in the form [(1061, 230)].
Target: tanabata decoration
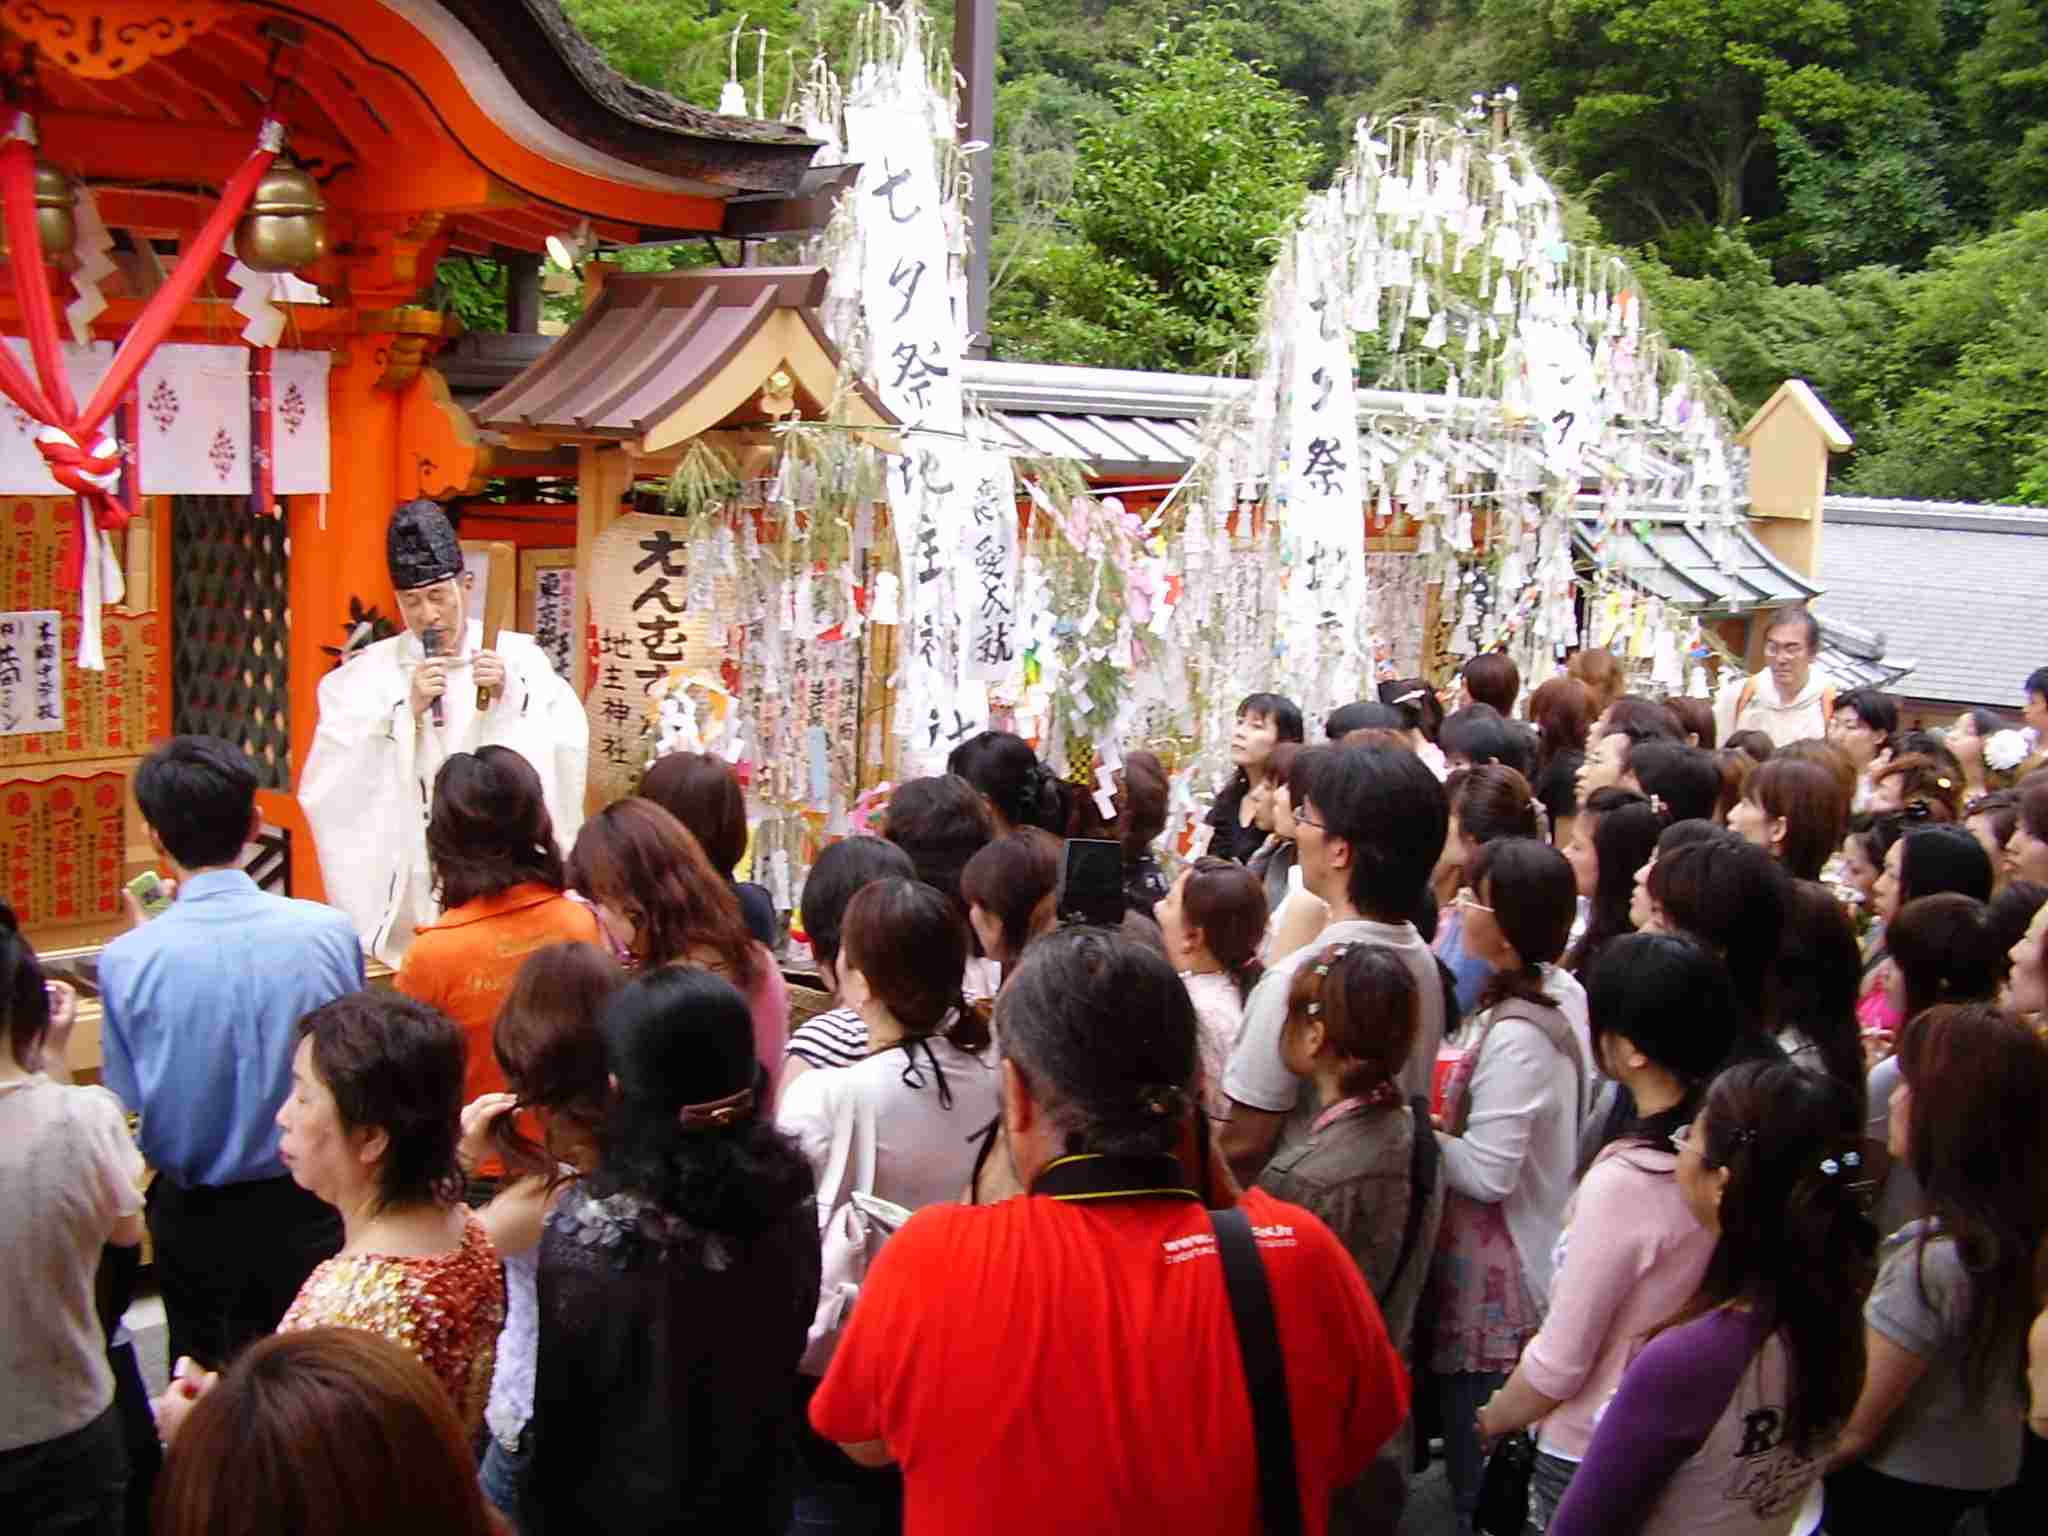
[(1519, 390)]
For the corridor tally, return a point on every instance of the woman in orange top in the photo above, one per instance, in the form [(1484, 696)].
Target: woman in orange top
[(498, 874)]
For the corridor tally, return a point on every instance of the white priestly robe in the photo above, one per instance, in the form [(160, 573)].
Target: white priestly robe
[(369, 781)]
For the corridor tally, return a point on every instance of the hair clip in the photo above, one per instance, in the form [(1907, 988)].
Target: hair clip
[(1315, 1008), (1832, 1166), (1331, 956), (1160, 1101), (1657, 804), (717, 1114), (1409, 697)]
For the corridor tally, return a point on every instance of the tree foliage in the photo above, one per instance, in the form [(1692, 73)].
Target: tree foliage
[(1177, 198), (1848, 191), (1941, 375)]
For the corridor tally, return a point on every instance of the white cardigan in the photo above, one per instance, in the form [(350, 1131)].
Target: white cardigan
[(1520, 1149)]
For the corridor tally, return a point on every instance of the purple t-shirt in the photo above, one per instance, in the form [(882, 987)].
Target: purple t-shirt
[(1693, 1439)]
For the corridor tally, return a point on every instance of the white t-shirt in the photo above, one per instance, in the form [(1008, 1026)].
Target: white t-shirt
[(924, 1151), (1257, 1075), (1219, 1013), (68, 1172)]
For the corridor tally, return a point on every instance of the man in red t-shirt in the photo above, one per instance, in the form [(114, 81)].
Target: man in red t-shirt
[(1067, 1360)]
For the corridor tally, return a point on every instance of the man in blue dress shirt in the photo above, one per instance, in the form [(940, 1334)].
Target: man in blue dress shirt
[(202, 1009)]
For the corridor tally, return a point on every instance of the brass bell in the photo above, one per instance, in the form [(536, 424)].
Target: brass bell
[(285, 225), (56, 216)]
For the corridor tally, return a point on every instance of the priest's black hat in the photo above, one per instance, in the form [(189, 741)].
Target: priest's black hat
[(421, 547)]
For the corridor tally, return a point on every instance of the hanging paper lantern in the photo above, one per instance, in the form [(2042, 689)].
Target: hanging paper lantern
[(56, 218), (286, 224)]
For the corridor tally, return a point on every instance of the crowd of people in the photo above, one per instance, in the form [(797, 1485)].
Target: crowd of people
[(1640, 1103)]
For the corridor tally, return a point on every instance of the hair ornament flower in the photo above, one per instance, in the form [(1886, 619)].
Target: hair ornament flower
[(2005, 750), (1832, 1166)]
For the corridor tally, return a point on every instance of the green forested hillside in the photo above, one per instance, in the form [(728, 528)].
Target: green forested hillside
[(1854, 191)]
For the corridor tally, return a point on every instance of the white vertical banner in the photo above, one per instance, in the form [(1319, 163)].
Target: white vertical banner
[(915, 343), (989, 587), (1322, 519), (1325, 497)]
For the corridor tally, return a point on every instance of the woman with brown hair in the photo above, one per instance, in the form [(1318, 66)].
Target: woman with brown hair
[(1596, 667), (1513, 1106), (499, 877), (1213, 920), (327, 1432), (1735, 769), (1367, 1167), (1010, 888), (1142, 793), (1273, 812), (899, 1126), (1488, 803), (1695, 718), (663, 904), (372, 1126), (552, 1054), (701, 791), (1563, 710), (1918, 786), (1940, 1423), (2026, 851), (1794, 811)]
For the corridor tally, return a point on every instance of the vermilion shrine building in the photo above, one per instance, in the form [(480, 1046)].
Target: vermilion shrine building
[(430, 127)]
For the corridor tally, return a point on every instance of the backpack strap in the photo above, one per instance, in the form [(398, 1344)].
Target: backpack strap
[(1742, 702), (1827, 708), (1422, 1169), (1557, 1029)]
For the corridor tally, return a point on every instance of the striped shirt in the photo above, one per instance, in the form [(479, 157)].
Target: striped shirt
[(835, 1039)]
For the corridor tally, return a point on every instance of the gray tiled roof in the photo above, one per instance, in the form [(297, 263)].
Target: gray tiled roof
[(1961, 589)]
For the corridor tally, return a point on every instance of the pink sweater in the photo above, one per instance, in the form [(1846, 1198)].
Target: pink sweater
[(1633, 1255)]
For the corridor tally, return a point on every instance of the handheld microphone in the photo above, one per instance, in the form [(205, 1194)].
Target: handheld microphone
[(434, 641)]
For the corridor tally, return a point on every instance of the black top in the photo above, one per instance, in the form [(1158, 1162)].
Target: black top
[(664, 1391), (757, 907), (1231, 840)]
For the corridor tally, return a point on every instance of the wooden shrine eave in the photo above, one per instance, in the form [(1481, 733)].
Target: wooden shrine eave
[(664, 357), (496, 110)]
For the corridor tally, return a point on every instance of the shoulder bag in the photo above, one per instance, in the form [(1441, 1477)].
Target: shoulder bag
[(1265, 1375), (853, 1224)]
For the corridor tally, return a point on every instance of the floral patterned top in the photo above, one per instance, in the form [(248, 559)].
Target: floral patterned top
[(446, 1309)]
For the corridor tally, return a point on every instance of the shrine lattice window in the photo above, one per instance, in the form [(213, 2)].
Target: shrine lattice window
[(231, 630)]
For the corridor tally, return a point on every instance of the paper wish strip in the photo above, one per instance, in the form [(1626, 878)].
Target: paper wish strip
[(31, 673)]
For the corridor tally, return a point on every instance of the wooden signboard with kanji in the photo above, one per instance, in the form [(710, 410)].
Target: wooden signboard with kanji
[(644, 623), (110, 714), (62, 849)]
